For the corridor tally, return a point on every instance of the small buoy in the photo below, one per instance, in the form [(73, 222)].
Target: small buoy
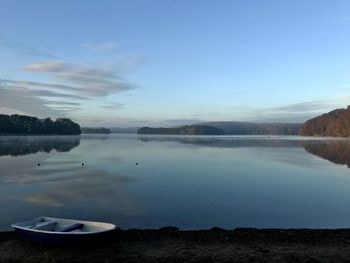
[(38, 164), (82, 164), (137, 163)]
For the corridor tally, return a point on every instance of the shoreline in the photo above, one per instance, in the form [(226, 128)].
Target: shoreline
[(169, 244)]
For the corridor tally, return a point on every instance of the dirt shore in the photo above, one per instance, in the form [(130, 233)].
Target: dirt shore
[(172, 245)]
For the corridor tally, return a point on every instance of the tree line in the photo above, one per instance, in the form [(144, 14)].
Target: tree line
[(21, 124)]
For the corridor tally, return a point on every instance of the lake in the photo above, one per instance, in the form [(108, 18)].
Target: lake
[(189, 182)]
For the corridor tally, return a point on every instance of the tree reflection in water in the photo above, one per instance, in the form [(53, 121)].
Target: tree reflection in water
[(333, 150), (23, 145), (225, 142), (336, 151)]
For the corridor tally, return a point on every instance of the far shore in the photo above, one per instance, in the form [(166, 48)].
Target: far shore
[(37, 134), (170, 244)]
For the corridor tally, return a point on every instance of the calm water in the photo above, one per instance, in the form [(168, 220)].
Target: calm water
[(188, 182)]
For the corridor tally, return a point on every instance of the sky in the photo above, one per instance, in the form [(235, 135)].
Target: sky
[(166, 63)]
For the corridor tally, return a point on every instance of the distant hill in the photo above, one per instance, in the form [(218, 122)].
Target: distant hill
[(335, 123), (251, 128), (228, 128), (183, 130), (124, 130), (220, 142), (90, 130), (21, 124)]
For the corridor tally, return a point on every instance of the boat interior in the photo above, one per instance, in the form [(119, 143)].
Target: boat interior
[(62, 225)]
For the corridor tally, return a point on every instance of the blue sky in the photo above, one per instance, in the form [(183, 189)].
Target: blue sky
[(165, 63)]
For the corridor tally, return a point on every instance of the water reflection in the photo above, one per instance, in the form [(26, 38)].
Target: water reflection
[(81, 187), (189, 182), (23, 145), (101, 137), (61, 186), (336, 151), (225, 142)]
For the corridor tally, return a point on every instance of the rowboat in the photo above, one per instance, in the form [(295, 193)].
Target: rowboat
[(51, 230)]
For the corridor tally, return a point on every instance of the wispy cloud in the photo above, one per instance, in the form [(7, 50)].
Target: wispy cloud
[(57, 87), (44, 89), (25, 48), (113, 106), (71, 84), (298, 112), (57, 102), (35, 84), (92, 81), (305, 107), (24, 100), (101, 47)]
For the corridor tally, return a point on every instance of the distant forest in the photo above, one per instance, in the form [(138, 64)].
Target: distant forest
[(183, 130), (102, 130), (21, 124), (254, 128), (228, 128), (335, 123)]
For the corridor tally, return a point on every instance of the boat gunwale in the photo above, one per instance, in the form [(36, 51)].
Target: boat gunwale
[(111, 227)]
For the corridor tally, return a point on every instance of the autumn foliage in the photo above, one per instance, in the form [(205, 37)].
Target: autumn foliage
[(335, 123)]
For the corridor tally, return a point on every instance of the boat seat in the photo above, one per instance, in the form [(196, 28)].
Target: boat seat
[(71, 227), (46, 225)]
